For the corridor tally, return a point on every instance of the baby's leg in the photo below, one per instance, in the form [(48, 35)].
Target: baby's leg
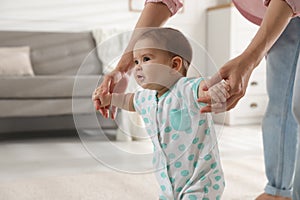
[(211, 186)]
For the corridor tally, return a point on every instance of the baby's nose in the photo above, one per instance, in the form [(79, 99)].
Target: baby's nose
[(138, 67)]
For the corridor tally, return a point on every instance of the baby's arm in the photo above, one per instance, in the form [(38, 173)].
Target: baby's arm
[(218, 93), (120, 100)]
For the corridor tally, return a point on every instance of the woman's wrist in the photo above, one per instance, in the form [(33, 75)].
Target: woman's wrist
[(251, 59)]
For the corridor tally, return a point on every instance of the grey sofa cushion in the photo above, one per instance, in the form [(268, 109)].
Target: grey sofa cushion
[(44, 107), (47, 87), (56, 53)]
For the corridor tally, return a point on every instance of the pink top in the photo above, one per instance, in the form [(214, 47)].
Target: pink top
[(253, 10)]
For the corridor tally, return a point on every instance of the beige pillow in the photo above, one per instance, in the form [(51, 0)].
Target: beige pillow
[(15, 61)]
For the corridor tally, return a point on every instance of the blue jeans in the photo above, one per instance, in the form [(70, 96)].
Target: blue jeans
[(280, 129), (296, 111)]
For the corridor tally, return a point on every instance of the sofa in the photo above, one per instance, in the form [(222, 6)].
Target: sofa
[(58, 96)]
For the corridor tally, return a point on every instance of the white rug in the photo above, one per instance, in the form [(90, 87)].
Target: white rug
[(98, 186), (67, 173), (244, 181)]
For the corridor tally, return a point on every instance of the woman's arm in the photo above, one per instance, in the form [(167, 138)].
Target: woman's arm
[(153, 15), (277, 17), (238, 70)]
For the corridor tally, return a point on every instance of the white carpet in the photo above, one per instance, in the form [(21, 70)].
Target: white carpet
[(243, 183), (62, 171), (99, 186)]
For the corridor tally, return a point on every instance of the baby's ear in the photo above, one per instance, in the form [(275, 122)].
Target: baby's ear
[(177, 63)]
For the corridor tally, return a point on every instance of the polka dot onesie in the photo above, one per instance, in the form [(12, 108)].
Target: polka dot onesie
[(186, 155)]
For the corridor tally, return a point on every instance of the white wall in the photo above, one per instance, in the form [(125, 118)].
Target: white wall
[(72, 15), (78, 15)]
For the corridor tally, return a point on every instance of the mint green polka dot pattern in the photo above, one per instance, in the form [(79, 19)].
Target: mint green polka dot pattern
[(195, 140), (205, 198), (205, 189), (179, 189), (149, 97), (207, 157), (216, 186), (143, 99), (201, 122), (172, 180), (200, 146), (171, 156), (191, 157), (181, 147), (163, 145), (192, 197), (178, 164), (143, 111), (146, 120), (163, 175), (217, 178), (184, 173), (207, 131), (168, 129), (163, 188), (213, 166), (162, 198), (175, 136)]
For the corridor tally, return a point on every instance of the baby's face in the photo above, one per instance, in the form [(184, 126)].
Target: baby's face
[(153, 66)]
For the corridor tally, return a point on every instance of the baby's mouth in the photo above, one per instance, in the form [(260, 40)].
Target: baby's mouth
[(140, 77)]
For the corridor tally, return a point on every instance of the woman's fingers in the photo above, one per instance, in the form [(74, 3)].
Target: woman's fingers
[(113, 111)]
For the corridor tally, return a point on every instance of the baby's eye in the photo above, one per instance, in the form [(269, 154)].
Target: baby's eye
[(145, 59), (136, 62)]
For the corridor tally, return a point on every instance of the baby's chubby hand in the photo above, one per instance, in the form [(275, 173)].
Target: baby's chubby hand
[(105, 99), (219, 92), (217, 95)]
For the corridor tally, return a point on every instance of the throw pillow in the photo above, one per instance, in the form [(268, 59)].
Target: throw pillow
[(15, 61)]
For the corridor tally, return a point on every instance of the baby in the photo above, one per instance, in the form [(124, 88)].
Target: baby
[(186, 157)]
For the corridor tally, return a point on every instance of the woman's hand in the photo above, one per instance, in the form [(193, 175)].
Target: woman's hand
[(237, 73), (114, 82)]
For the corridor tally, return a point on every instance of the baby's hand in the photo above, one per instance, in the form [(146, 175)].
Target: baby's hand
[(219, 92), (216, 97), (105, 100)]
